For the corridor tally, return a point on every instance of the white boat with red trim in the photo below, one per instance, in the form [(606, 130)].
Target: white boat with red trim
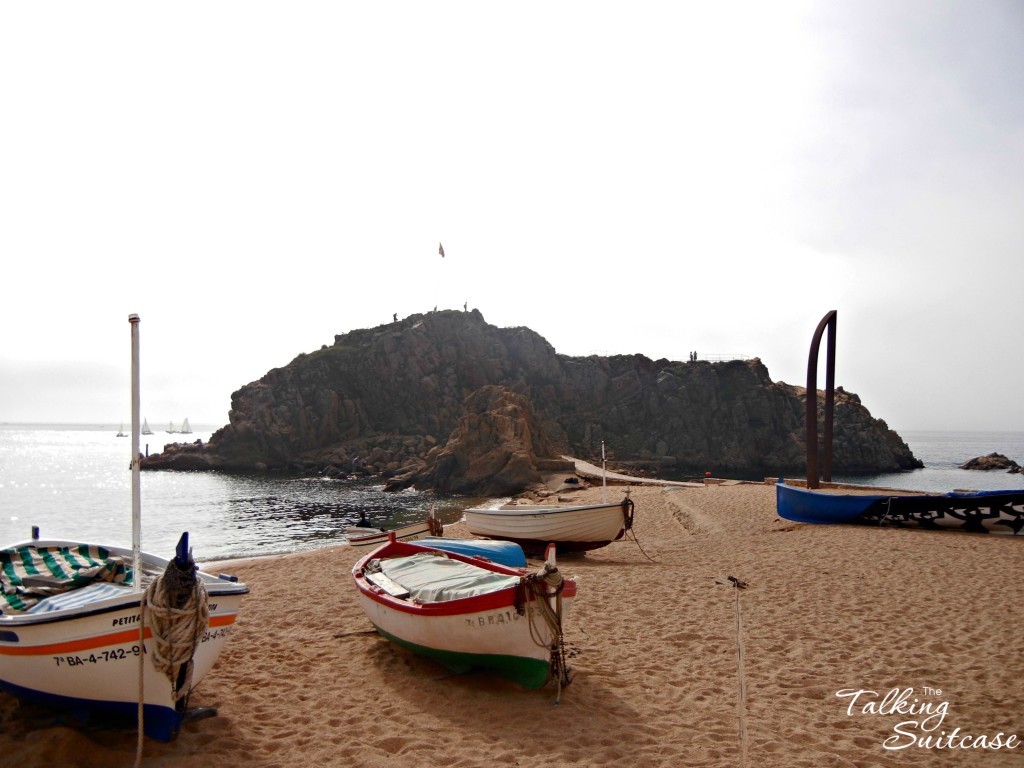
[(468, 612)]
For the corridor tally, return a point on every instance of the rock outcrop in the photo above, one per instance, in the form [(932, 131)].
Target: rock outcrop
[(993, 461), (493, 450), (445, 400)]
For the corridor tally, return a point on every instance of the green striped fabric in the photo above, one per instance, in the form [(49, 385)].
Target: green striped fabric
[(30, 574)]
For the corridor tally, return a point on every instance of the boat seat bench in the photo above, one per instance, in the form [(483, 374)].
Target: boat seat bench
[(390, 586)]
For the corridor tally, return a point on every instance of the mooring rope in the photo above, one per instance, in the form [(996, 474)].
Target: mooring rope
[(175, 608), (628, 513), (178, 619), (888, 508), (545, 584), (632, 534), (741, 701)]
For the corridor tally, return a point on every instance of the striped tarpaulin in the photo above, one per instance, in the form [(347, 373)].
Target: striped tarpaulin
[(29, 574)]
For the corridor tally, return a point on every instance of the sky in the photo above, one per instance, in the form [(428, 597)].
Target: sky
[(253, 178)]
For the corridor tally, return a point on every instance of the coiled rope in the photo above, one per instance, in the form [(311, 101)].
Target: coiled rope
[(178, 616), (175, 607), (545, 585)]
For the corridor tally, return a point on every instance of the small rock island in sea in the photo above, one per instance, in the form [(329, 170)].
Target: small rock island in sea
[(446, 401), (993, 461)]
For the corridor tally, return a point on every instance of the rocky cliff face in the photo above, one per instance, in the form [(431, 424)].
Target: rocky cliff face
[(427, 398)]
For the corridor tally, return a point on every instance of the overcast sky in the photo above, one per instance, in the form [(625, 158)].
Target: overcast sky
[(253, 178)]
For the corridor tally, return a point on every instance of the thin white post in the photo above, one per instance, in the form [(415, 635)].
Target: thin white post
[(136, 485), (604, 483)]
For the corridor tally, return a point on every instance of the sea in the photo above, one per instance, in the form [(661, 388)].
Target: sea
[(75, 482)]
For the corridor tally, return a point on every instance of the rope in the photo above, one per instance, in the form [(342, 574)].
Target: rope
[(543, 585), (628, 511), (178, 620), (741, 701), (174, 605), (632, 534), (888, 508)]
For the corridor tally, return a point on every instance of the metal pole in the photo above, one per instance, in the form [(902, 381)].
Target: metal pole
[(830, 399), (133, 319), (604, 484), (829, 322)]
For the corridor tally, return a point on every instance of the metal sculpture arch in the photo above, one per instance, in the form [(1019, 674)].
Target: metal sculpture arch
[(813, 477)]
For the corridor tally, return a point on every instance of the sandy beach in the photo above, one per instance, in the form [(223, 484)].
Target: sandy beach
[(826, 644)]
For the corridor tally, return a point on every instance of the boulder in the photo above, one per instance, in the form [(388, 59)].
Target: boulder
[(992, 461)]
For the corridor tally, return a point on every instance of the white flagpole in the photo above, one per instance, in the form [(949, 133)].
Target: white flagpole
[(136, 492)]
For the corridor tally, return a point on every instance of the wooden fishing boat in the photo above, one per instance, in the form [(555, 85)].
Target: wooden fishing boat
[(572, 528), (466, 612), (977, 511), (374, 537), (361, 536), (106, 630), (70, 630)]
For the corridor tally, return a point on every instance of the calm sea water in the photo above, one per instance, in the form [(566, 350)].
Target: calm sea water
[(75, 482), (943, 453)]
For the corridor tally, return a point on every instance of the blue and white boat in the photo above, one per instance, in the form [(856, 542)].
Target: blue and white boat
[(506, 553), (977, 511)]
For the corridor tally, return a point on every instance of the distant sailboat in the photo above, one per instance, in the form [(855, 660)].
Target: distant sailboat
[(171, 429), (120, 431), (145, 427), (185, 428)]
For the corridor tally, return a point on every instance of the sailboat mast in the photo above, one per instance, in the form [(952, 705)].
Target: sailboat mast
[(133, 319)]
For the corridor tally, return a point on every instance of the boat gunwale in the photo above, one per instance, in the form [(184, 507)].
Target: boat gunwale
[(379, 536), (879, 492), (521, 510)]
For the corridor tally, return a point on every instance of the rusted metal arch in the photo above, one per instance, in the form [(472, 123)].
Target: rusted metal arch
[(829, 322)]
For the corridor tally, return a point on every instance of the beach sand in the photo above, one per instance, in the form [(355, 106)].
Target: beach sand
[(673, 664)]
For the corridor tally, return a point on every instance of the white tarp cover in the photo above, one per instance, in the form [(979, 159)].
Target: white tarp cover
[(435, 578)]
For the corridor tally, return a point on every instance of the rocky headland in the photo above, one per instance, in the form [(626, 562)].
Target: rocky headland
[(445, 400)]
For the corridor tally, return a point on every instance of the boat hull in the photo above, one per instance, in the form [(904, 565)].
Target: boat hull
[(570, 528), (376, 538), (486, 631), (506, 553), (979, 512), (86, 659)]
